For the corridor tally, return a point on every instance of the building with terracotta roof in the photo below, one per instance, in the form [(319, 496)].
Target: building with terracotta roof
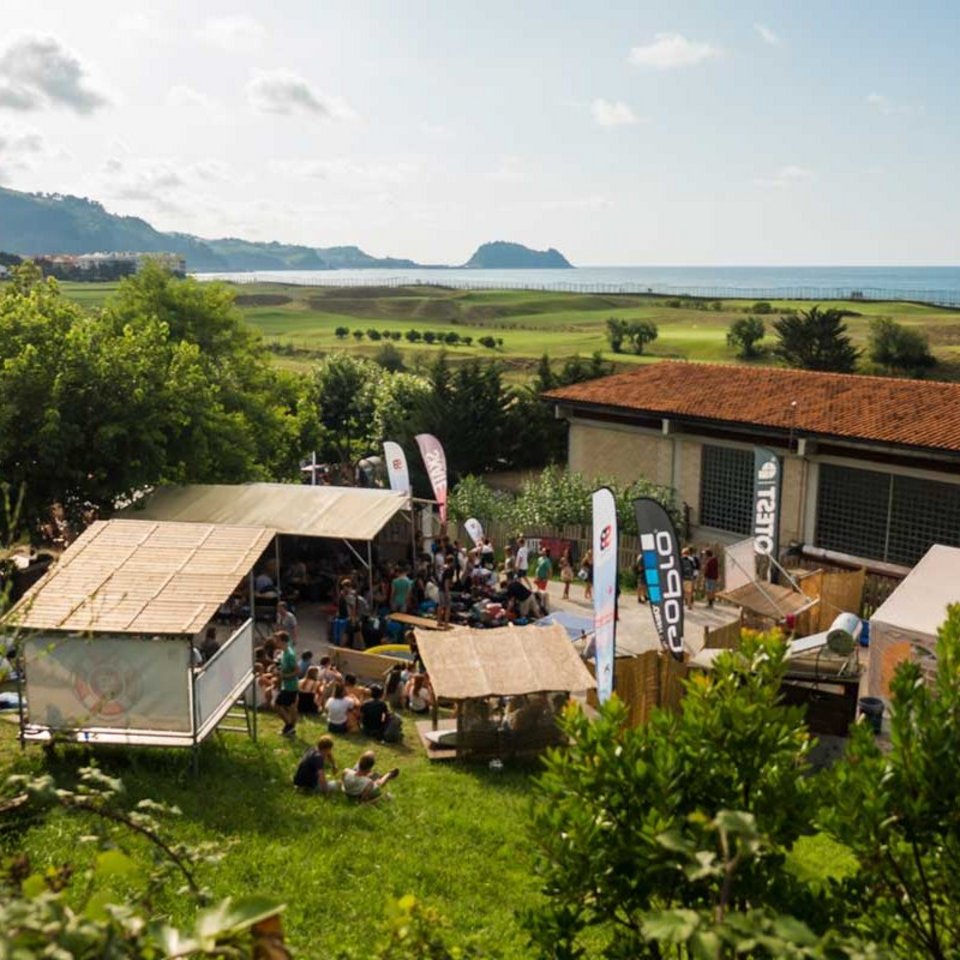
[(871, 465)]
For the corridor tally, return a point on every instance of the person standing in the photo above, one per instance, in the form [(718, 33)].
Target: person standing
[(586, 572), (711, 575), (566, 574), (641, 579), (689, 574), (486, 554), (447, 577), (286, 701), (400, 591), (523, 558), (286, 620), (544, 569)]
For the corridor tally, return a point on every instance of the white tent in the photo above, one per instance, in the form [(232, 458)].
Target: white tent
[(905, 625)]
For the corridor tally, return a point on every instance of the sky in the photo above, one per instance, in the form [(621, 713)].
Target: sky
[(621, 133)]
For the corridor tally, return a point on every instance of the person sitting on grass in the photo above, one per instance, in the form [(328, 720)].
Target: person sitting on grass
[(338, 709), (393, 688), (418, 694), (374, 713), (307, 695), (316, 763), (362, 783), (286, 699)]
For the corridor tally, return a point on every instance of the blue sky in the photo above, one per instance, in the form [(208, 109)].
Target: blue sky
[(620, 133)]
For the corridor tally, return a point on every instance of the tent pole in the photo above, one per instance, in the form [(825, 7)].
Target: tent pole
[(20, 665), (276, 555), (413, 535), (370, 572)]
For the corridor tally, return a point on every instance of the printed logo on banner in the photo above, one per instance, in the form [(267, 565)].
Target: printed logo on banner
[(606, 535), (765, 501), (664, 587)]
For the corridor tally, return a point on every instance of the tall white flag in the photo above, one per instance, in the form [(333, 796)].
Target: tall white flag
[(396, 467), (604, 588)]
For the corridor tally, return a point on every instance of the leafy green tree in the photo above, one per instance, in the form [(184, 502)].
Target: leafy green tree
[(429, 336), (341, 333), (487, 342), (815, 339), (373, 335), (898, 349), (358, 335), (615, 808), (617, 330), (896, 809), (413, 336), (451, 337), (640, 333), (466, 340), (744, 335), (762, 308), (396, 336), (390, 358)]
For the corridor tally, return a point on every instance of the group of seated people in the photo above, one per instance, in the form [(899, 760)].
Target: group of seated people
[(347, 705), (317, 772)]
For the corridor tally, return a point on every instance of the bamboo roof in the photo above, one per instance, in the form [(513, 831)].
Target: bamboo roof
[(464, 663), (142, 577)]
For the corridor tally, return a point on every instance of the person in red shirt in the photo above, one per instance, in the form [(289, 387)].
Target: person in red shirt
[(711, 574)]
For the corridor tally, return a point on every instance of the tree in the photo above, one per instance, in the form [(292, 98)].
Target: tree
[(896, 809), (616, 333), (451, 337), (341, 333), (358, 335), (816, 340), (641, 332), (761, 307), (390, 358), (898, 349), (466, 340), (487, 342), (373, 335), (429, 336), (743, 336), (615, 808), (413, 336)]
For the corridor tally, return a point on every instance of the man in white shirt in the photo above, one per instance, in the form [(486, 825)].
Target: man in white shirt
[(362, 783), (523, 559)]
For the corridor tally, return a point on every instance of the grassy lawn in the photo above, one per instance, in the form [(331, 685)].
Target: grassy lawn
[(453, 836), (299, 322)]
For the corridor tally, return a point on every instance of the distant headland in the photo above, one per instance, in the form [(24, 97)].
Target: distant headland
[(51, 223)]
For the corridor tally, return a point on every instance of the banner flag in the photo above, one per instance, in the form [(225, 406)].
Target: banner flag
[(435, 461), (660, 555), (396, 467), (766, 502), (475, 529), (605, 588)]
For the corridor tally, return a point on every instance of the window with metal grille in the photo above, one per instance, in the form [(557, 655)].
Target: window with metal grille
[(726, 489), (883, 516)]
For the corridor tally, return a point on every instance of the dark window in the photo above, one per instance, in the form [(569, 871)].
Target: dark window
[(726, 489), (882, 516)]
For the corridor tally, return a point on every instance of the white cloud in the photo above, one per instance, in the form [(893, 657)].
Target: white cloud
[(235, 34), (37, 72), (595, 202), (787, 176), (375, 174), (670, 50), (767, 35), (184, 97), (889, 107), (612, 114), (283, 92), (20, 147), (510, 169)]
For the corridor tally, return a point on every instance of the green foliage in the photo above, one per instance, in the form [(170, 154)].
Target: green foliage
[(815, 339), (641, 332), (166, 384), (413, 336), (898, 349), (616, 332), (553, 498), (897, 811), (373, 335), (762, 308), (635, 824), (487, 342), (429, 336), (744, 335), (390, 358), (47, 913), (358, 335), (341, 333)]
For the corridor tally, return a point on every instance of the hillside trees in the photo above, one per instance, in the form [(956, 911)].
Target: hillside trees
[(898, 349), (637, 332), (815, 339), (165, 384), (744, 335)]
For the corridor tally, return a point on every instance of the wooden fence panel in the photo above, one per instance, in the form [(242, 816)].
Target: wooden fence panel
[(726, 637)]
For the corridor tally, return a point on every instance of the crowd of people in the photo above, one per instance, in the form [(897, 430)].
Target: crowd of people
[(700, 573)]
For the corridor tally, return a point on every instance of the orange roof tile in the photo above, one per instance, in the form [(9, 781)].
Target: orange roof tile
[(916, 413)]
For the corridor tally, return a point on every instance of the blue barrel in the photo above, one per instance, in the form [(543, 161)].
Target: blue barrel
[(864, 633), (340, 625), (872, 709)]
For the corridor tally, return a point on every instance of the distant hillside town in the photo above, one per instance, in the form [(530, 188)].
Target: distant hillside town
[(93, 267)]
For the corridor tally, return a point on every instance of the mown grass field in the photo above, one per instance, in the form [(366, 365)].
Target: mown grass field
[(299, 323), (454, 836)]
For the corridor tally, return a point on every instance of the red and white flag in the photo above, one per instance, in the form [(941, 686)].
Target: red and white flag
[(604, 588), (396, 467), (435, 461)]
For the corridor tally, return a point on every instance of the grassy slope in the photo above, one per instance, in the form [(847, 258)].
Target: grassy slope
[(302, 321)]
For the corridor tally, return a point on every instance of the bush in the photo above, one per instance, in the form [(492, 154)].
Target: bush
[(413, 336), (341, 333), (762, 308), (452, 337), (429, 337), (898, 349), (357, 334), (390, 358), (373, 335), (487, 342), (743, 336)]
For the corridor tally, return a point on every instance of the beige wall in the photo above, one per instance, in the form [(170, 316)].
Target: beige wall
[(625, 453)]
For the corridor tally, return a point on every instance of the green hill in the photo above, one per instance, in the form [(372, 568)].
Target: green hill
[(501, 255)]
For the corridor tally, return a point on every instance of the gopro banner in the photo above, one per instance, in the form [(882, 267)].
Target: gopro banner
[(766, 501), (435, 460), (396, 467), (604, 588), (660, 556), (475, 530)]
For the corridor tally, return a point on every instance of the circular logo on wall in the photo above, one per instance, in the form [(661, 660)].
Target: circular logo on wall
[(105, 690)]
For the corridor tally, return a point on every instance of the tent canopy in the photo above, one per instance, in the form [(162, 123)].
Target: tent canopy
[(919, 603), (139, 576), (464, 663), (345, 513)]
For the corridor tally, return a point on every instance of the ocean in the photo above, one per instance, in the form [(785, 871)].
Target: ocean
[(939, 285)]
